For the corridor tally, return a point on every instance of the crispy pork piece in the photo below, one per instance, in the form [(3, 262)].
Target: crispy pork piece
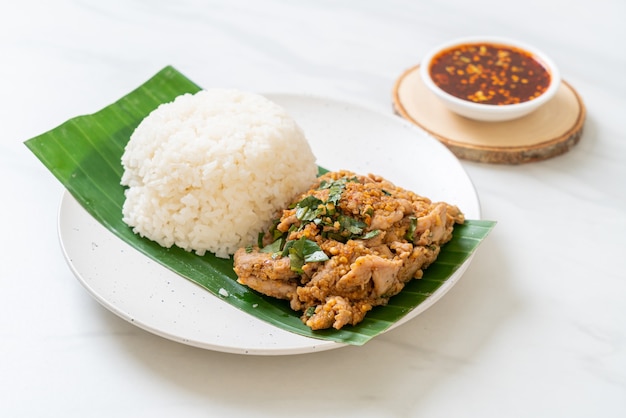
[(345, 246), (272, 277)]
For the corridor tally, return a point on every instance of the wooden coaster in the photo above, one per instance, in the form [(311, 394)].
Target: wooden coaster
[(551, 130)]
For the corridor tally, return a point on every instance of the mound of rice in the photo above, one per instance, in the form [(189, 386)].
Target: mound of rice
[(208, 171)]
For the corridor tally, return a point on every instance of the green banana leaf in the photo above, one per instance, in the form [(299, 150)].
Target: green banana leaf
[(84, 155)]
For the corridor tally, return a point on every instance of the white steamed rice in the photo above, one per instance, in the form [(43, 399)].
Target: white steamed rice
[(209, 171)]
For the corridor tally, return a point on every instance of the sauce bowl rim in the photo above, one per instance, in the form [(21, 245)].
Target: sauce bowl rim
[(541, 57)]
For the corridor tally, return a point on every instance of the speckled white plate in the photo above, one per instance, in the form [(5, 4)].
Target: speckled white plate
[(343, 136)]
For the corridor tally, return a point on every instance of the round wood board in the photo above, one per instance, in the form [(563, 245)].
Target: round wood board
[(551, 130)]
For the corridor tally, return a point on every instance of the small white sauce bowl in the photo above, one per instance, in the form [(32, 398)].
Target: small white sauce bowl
[(490, 112)]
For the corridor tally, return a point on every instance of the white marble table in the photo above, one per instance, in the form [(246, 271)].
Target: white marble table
[(535, 328)]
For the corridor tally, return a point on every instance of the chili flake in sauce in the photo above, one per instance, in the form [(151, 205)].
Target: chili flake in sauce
[(490, 74)]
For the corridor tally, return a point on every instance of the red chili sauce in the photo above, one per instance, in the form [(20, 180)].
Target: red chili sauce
[(490, 74)]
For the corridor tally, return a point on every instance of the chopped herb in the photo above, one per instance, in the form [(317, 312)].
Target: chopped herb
[(277, 234), (335, 236), (295, 262), (303, 251), (287, 247), (336, 187), (274, 247), (410, 233), (308, 208), (316, 256), (335, 192), (339, 182), (353, 226), (248, 249), (309, 311), (371, 234)]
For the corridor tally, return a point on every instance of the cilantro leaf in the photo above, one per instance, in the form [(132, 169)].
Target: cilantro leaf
[(308, 208), (410, 232), (371, 234), (303, 251), (274, 247), (353, 226)]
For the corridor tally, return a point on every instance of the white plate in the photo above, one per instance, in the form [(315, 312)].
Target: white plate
[(343, 136)]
